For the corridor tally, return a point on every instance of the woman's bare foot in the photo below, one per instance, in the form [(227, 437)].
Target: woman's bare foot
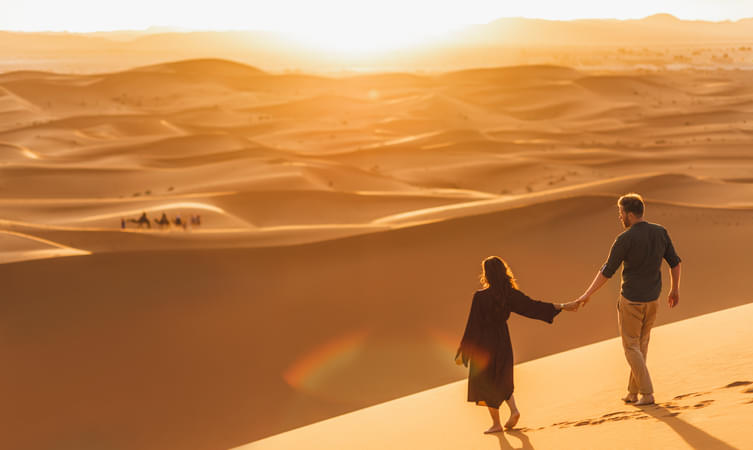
[(630, 398), (494, 429), (646, 399), (494, 412), (513, 420)]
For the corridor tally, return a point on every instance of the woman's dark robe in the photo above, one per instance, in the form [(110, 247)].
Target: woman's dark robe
[(486, 343)]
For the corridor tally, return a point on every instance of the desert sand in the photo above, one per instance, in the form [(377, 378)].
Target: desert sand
[(702, 367), (343, 220)]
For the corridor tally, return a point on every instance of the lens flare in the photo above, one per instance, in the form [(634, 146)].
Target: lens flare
[(309, 371)]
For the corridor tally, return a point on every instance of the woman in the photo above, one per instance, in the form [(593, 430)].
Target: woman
[(486, 342)]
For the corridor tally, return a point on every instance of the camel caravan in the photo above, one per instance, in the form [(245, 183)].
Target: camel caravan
[(163, 222)]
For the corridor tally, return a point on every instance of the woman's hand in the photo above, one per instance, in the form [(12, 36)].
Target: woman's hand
[(459, 358)]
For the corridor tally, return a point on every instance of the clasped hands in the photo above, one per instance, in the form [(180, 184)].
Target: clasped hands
[(575, 304), (571, 306)]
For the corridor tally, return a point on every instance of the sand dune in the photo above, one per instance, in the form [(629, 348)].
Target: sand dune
[(515, 75), (208, 73), (215, 68), (21, 247), (704, 401), (343, 221), (343, 347)]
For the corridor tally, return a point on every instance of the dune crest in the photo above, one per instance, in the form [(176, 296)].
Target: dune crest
[(23, 247)]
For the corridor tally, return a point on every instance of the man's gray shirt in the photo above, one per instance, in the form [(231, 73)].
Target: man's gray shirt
[(641, 248)]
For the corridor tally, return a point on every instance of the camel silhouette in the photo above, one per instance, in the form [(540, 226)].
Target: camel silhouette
[(163, 221), (141, 221)]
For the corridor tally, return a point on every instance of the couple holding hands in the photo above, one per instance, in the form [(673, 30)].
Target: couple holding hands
[(486, 345)]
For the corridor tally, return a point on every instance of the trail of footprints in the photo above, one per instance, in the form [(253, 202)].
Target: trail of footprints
[(667, 409)]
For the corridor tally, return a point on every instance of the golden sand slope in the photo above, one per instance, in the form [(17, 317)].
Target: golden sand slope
[(702, 369)]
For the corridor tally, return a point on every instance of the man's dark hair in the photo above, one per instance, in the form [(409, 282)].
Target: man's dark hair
[(632, 203)]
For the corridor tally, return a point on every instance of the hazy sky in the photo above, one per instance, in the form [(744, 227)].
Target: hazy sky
[(422, 16), (345, 24)]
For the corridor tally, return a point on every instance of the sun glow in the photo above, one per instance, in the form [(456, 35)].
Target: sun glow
[(369, 39), (341, 26)]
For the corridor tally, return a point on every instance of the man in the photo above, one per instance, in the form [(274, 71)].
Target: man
[(641, 248)]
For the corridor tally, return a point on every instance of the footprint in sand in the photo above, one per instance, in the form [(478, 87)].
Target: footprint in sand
[(670, 405), (692, 394), (617, 416), (640, 415), (609, 417), (680, 397), (563, 424), (703, 404), (746, 391)]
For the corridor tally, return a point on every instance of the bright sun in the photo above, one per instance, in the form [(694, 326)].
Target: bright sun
[(353, 27), (353, 40)]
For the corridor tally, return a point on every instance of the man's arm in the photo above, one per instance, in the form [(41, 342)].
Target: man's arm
[(674, 292), (596, 284), (616, 256), (670, 255)]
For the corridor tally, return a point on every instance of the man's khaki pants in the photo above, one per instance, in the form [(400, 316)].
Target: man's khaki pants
[(635, 320)]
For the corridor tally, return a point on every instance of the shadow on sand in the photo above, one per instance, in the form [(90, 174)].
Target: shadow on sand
[(504, 443), (694, 436)]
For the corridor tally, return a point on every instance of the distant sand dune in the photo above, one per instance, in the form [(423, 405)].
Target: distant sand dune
[(212, 67), (21, 247), (117, 125), (514, 75), (312, 107), (17, 152), (628, 86)]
